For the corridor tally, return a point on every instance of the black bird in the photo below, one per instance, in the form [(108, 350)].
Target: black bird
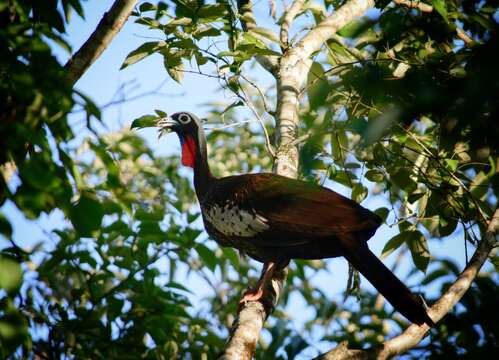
[(274, 219)]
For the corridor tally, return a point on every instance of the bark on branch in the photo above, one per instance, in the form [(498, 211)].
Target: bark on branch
[(289, 15), (110, 24), (414, 333), (323, 31)]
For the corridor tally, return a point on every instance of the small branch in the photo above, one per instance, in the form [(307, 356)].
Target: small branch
[(289, 15), (110, 24), (415, 4), (323, 31), (248, 23), (414, 333), (463, 36)]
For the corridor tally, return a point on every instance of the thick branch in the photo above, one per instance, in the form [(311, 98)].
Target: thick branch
[(248, 22), (246, 328), (414, 333), (288, 18), (110, 24), (323, 31)]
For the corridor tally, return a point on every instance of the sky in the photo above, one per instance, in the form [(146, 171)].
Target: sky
[(102, 81)]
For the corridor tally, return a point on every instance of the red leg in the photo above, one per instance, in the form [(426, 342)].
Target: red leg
[(256, 294)]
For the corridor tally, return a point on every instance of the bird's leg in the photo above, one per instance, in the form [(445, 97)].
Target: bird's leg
[(257, 293)]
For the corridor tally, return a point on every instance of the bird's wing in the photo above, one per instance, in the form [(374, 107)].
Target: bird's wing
[(299, 207)]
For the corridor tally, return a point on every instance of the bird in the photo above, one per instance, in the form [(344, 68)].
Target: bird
[(275, 219)]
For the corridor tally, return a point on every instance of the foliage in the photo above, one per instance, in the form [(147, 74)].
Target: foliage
[(406, 111)]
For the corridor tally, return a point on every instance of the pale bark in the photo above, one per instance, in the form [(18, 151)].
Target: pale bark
[(289, 15), (316, 37), (110, 24)]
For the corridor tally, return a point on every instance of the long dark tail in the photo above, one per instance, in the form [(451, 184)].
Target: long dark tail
[(397, 294)]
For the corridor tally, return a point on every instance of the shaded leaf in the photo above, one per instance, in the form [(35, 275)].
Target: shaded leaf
[(144, 122)]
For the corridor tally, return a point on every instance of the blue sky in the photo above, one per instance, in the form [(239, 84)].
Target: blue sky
[(101, 82)]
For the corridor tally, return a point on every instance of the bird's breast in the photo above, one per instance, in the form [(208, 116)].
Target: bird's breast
[(233, 221)]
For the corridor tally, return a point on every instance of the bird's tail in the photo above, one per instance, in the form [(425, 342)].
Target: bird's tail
[(397, 294)]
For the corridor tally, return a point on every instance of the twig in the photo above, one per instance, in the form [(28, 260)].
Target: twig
[(110, 24), (248, 103)]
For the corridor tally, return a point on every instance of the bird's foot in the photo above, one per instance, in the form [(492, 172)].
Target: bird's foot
[(258, 292), (252, 295)]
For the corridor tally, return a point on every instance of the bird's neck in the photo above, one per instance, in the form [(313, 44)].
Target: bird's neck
[(194, 155)]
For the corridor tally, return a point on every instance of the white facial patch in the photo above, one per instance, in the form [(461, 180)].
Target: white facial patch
[(231, 221)]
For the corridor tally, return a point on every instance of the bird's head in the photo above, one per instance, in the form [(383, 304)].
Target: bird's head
[(190, 132)]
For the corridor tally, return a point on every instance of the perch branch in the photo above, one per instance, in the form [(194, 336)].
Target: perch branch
[(110, 24)]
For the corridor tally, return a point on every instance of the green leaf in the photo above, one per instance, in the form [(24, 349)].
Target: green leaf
[(176, 72), (452, 164), (375, 175), (115, 307), (142, 52), (207, 256), (87, 214), (393, 244), (382, 212), (232, 256), (161, 114), (175, 285), (339, 144), (152, 215), (359, 193), (144, 122), (419, 249), (10, 274), (440, 6), (356, 27), (212, 11), (266, 33), (5, 227), (146, 6), (402, 178), (317, 86)]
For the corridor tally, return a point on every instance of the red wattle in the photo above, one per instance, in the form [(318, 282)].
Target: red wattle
[(189, 152)]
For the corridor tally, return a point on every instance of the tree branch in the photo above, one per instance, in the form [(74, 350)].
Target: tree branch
[(110, 24), (248, 22), (414, 333), (289, 15), (323, 31), (245, 330)]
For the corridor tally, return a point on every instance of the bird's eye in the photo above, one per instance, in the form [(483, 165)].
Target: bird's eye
[(184, 118)]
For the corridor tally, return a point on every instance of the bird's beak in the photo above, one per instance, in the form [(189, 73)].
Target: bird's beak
[(165, 125)]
